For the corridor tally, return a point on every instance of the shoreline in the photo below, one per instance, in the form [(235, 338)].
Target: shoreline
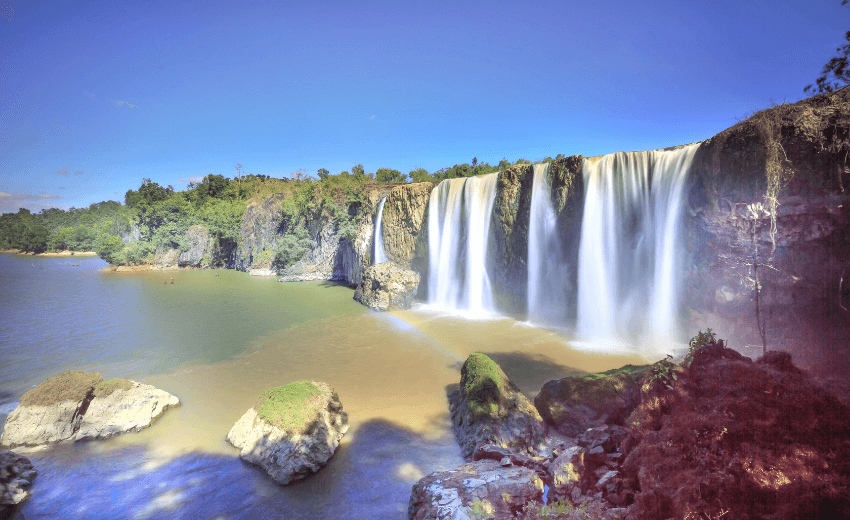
[(48, 254)]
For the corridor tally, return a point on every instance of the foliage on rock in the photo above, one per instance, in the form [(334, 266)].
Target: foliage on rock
[(483, 384), (285, 406), (70, 386)]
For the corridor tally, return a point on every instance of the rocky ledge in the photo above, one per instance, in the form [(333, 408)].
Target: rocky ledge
[(387, 286), (717, 435), (16, 475), (78, 405), (292, 431)]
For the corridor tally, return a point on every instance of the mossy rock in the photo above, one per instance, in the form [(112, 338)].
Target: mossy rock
[(70, 386), (484, 385), (289, 406), (105, 388), (574, 404)]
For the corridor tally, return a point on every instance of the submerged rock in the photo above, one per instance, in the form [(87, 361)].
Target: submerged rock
[(573, 404), (387, 286), (16, 475), (482, 489), (292, 431), (489, 408), (79, 405)]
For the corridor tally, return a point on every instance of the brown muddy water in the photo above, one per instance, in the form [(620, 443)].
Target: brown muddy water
[(217, 339)]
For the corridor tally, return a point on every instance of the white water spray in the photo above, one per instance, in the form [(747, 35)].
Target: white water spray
[(628, 273), (459, 214), (380, 255), (547, 268)]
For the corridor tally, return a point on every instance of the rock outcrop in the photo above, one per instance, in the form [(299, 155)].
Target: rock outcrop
[(774, 189), (573, 404), (16, 476), (387, 286), (77, 405), (489, 408), (754, 439), (292, 430), (482, 489)]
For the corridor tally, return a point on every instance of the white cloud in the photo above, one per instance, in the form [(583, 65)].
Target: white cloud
[(11, 202), (125, 103)]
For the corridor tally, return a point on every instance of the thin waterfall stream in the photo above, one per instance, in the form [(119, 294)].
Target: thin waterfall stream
[(380, 254)]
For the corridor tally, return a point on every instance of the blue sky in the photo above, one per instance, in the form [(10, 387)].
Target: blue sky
[(95, 96)]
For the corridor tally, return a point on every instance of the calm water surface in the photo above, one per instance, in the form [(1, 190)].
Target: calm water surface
[(217, 339)]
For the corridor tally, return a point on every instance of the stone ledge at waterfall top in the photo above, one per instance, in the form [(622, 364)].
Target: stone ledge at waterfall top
[(387, 286), (78, 405), (489, 408), (292, 431)]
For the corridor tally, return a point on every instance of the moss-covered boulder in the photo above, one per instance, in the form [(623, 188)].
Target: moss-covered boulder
[(81, 405), (488, 407), (292, 430), (573, 404)]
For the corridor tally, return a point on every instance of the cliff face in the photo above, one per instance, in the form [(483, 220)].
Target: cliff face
[(508, 252), (769, 201)]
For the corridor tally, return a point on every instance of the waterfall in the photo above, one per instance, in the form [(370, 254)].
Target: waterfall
[(459, 213), (547, 268), (380, 255), (629, 265)]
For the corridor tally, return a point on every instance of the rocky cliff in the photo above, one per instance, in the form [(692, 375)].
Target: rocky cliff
[(769, 209)]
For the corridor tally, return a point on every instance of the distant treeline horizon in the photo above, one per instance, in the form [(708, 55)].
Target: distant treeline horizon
[(154, 217)]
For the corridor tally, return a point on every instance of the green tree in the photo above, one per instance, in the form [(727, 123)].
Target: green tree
[(323, 174), (836, 72), (109, 247), (419, 175), (389, 175)]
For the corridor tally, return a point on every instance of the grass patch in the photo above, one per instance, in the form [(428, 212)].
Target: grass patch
[(287, 407), (483, 384), (70, 386), (105, 388)]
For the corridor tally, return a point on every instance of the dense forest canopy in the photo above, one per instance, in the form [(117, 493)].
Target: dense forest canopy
[(154, 217)]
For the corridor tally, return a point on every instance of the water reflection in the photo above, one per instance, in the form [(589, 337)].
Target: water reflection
[(370, 477)]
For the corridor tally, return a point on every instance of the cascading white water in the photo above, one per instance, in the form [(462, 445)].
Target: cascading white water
[(380, 255), (628, 272), (459, 213), (547, 269)]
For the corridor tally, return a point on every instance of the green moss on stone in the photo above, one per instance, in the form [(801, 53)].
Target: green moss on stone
[(628, 369), (287, 407), (483, 384), (105, 388)]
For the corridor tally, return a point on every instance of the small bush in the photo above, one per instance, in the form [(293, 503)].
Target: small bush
[(105, 388)]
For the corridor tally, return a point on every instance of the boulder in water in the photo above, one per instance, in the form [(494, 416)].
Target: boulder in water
[(387, 286), (292, 430), (482, 489), (16, 475), (78, 405), (489, 408), (573, 404)]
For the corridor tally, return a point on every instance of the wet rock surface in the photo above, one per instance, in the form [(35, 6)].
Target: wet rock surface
[(16, 476), (387, 286), (300, 443), (481, 489)]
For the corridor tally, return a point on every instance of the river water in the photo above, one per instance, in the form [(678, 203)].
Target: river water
[(217, 339)]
